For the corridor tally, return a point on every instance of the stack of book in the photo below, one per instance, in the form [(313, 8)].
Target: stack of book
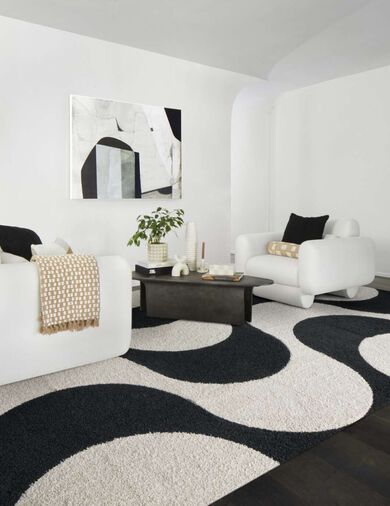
[(154, 269), (237, 276)]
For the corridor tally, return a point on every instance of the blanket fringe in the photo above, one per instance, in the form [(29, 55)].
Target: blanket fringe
[(70, 326)]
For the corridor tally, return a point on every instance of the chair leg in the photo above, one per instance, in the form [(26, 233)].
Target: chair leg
[(348, 293)]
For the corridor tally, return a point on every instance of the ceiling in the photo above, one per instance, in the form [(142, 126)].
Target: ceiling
[(283, 39)]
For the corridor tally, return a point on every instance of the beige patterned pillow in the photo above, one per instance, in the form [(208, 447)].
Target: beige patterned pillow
[(285, 249)]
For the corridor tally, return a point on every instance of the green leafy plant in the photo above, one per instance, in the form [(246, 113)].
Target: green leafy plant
[(152, 228)]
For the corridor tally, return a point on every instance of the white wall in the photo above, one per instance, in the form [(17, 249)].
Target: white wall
[(39, 68), (252, 130), (332, 155), (250, 163)]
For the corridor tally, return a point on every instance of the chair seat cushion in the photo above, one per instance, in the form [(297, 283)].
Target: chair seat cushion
[(282, 270)]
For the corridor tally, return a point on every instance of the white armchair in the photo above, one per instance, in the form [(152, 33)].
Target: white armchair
[(25, 353), (339, 263)]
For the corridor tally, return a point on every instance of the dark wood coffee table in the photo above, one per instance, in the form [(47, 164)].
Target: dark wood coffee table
[(192, 298)]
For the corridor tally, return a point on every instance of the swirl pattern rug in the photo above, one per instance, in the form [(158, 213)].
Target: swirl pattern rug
[(195, 410)]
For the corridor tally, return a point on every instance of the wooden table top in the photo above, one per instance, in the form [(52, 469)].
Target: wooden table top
[(195, 278)]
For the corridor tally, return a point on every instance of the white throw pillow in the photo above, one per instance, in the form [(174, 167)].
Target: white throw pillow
[(9, 258), (47, 250), (57, 248)]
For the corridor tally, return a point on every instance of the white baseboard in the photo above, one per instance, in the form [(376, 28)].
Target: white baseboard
[(383, 274)]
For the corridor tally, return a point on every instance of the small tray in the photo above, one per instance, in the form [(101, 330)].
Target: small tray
[(237, 276)]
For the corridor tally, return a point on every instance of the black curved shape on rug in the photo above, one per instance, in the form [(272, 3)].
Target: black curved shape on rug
[(247, 354), (339, 337), (141, 321), (379, 304), (39, 434)]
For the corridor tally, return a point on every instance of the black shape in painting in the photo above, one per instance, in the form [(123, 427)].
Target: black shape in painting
[(174, 118), (90, 170)]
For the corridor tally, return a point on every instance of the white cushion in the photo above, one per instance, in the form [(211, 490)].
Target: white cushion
[(9, 258), (48, 249), (343, 227), (281, 270)]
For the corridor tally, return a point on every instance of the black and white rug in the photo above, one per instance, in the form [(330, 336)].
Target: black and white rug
[(195, 410)]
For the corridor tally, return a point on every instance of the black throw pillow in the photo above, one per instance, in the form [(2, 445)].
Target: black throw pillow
[(18, 241), (300, 229)]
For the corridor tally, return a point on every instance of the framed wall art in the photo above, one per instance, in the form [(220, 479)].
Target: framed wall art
[(121, 150)]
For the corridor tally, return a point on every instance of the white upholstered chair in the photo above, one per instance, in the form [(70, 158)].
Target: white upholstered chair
[(25, 353), (339, 263)]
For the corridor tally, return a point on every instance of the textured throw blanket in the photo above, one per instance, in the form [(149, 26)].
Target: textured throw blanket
[(69, 292)]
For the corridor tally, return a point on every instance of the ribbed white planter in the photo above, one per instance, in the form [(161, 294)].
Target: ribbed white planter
[(191, 246), (157, 253)]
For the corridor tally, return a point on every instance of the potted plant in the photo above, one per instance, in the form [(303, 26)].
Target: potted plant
[(154, 227)]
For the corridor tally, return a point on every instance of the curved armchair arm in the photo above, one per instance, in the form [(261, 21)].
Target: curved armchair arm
[(26, 353), (335, 264), (250, 245)]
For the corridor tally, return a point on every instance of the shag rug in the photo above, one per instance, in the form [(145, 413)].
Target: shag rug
[(195, 410)]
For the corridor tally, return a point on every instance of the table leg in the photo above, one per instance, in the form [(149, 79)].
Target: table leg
[(248, 304), (142, 297)]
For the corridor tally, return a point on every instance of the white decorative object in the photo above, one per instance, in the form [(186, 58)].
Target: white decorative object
[(221, 270), (180, 267), (191, 246), (157, 252), (202, 269)]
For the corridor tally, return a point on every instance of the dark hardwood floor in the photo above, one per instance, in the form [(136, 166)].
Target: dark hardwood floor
[(352, 468)]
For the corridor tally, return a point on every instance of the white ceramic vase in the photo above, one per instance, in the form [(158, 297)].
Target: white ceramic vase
[(191, 246)]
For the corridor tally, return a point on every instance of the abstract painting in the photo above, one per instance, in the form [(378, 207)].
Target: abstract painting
[(124, 151)]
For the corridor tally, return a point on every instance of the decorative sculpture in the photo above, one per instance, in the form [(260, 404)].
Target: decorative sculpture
[(202, 269), (180, 267)]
